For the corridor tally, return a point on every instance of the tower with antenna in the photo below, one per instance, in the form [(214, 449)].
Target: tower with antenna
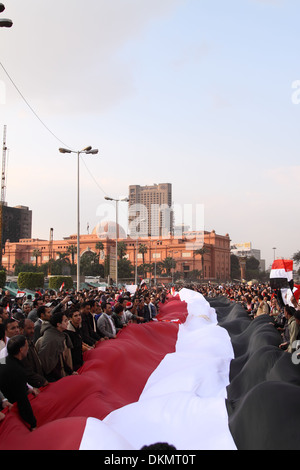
[(3, 176), (3, 190)]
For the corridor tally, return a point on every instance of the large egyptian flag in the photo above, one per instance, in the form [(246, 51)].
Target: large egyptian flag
[(161, 381), (202, 376)]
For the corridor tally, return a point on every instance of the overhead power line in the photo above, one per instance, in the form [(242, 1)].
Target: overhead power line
[(30, 107), (42, 122)]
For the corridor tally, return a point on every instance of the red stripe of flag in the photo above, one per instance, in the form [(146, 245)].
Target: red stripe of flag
[(113, 375)]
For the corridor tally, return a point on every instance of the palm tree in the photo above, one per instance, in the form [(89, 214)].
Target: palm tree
[(99, 246), (143, 250), (89, 263), (201, 252), (63, 256), (122, 248), (169, 263), (72, 250), (36, 253)]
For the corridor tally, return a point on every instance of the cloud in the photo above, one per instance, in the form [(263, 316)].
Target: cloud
[(194, 53), (285, 178), (270, 2), (66, 56)]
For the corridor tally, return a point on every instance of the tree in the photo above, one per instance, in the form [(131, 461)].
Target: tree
[(63, 257), (143, 250), (122, 248), (194, 275), (36, 253), (235, 270), (199, 251), (169, 263), (72, 250), (89, 264), (2, 279), (296, 258), (99, 246), (125, 268), (159, 267), (252, 268), (145, 268)]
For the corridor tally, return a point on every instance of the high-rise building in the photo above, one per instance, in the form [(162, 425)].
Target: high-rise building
[(150, 210), (17, 223)]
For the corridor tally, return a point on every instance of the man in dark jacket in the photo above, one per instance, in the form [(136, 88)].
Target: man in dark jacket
[(13, 380), (74, 331), (89, 336), (44, 315), (32, 363), (54, 348), (149, 309)]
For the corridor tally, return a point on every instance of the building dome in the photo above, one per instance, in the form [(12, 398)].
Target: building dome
[(107, 229)]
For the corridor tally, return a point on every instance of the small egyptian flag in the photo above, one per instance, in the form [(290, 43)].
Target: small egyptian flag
[(20, 294), (287, 294), (281, 275)]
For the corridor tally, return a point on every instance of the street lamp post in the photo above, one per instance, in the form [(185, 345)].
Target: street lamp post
[(136, 254), (88, 150), (125, 199), (4, 23)]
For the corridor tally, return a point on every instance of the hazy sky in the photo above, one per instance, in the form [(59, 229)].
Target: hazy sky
[(198, 93)]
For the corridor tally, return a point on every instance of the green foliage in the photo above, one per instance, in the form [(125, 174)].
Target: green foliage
[(89, 264), (2, 278), (106, 265), (99, 246), (252, 268), (125, 268), (122, 248), (21, 267), (296, 257), (55, 282), (194, 275), (169, 263), (72, 250), (32, 281), (143, 250), (235, 270)]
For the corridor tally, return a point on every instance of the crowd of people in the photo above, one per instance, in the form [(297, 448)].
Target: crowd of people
[(260, 299), (44, 338)]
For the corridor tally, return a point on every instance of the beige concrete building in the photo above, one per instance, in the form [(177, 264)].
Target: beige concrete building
[(150, 210)]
